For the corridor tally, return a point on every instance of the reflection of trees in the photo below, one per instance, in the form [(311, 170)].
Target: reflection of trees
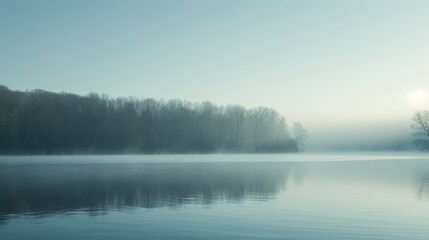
[(97, 188), (423, 189)]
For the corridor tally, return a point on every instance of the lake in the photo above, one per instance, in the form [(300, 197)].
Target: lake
[(294, 196)]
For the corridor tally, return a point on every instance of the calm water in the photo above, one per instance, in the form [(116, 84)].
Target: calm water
[(196, 197)]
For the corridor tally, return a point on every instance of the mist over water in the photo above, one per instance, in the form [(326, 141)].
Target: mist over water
[(215, 196), (214, 120)]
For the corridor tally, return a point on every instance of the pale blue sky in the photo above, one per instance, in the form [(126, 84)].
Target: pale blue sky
[(331, 64)]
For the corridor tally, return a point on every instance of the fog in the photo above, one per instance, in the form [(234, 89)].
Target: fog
[(384, 142), (352, 72), (389, 136), (42, 122)]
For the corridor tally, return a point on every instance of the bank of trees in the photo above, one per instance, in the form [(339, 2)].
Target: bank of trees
[(48, 123)]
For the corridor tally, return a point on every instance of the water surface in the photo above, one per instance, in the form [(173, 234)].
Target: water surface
[(215, 197)]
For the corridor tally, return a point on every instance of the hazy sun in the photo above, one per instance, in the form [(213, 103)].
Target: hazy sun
[(418, 98)]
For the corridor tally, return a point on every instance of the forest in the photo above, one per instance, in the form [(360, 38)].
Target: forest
[(42, 122)]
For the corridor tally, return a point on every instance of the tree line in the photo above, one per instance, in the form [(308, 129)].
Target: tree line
[(41, 122)]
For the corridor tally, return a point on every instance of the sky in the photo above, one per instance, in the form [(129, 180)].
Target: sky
[(352, 72)]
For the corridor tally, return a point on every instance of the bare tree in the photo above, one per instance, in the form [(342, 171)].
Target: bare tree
[(420, 126), (300, 134)]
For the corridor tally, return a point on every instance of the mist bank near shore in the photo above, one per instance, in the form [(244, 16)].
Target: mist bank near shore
[(387, 136)]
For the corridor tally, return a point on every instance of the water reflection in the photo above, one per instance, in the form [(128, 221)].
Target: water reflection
[(423, 187), (46, 189), (421, 173), (97, 188)]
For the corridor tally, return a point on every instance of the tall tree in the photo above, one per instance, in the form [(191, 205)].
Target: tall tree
[(300, 134), (420, 126)]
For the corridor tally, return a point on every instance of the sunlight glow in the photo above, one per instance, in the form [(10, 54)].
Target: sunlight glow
[(418, 98)]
